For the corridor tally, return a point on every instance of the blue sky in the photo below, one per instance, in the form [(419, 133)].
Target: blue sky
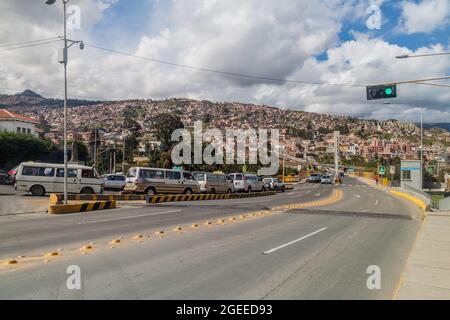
[(126, 22)]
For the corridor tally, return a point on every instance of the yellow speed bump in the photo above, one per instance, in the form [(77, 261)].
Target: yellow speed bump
[(138, 237), (52, 254), (195, 226), (116, 241), (12, 261), (87, 248), (160, 233), (208, 224)]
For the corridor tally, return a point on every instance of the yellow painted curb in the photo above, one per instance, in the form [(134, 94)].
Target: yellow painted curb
[(420, 203)]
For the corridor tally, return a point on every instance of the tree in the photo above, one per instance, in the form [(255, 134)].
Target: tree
[(165, 124)]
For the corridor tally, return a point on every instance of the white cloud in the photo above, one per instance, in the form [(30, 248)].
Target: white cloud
[(261, 37), (425, 16)]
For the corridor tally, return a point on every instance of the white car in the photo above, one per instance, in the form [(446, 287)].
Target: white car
[(114, 181)]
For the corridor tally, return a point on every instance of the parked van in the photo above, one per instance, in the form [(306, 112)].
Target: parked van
[(42, 178), (246, 182), (213, 183), (153, 181)]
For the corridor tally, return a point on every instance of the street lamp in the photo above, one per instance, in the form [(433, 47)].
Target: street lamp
[(65, 61)]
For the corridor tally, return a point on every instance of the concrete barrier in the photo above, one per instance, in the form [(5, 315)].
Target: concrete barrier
[(56, 199), (81, 207), (421, 203), (205, 197)]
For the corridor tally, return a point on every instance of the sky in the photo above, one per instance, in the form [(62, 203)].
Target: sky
[(337, 45)]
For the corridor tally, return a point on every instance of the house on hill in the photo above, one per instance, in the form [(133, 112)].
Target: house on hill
[(13, 122)]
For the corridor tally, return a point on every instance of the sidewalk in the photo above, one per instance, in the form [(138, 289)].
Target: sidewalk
[(427, 272)]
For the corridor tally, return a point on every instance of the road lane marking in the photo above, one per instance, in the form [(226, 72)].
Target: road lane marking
[(130, 217), (318, 195), (294, 242), (358, 196), (376, 202), (254, 201)]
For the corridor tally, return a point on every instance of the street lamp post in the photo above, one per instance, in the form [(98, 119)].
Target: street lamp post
[(64, 62)]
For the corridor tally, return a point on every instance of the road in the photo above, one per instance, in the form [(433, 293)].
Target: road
[(320, 252)]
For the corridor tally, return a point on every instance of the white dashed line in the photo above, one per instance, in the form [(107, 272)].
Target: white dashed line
[(293, 242)]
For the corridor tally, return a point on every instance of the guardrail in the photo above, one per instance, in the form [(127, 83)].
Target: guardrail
[(58, 198)]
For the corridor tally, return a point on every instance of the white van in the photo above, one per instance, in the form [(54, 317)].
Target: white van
[(153, 181), (42, 178)]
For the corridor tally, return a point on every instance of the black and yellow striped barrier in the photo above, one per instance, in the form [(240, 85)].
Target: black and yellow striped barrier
[(205, 197), (56, 199), (81, 207)]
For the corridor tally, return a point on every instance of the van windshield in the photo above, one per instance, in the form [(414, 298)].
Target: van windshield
[(131, 173)]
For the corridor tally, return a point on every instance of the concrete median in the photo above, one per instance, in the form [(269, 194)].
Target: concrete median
[(205, 197), (57, 199), (81, 207)]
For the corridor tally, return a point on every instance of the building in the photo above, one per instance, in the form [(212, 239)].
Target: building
[(13, 122)]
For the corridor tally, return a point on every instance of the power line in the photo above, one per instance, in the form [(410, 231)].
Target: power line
[(26, 42), (226, 73), (30, 45)]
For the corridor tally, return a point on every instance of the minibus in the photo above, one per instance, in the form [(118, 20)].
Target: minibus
[(41, 178), (153, 181)]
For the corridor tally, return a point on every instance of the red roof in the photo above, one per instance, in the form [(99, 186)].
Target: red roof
[(9, 115)]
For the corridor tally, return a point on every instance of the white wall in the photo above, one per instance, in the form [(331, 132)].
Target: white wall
[(11, 126)]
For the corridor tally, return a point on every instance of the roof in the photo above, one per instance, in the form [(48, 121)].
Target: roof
[(9, 115)]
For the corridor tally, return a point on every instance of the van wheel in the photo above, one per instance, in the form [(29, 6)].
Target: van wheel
[(263, 189), (229, 191), (283, 189), (188, 191), (37, 191), (150, 191), (87, 191), (213, 191), (249, 190)]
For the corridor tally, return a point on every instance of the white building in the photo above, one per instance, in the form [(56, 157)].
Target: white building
[(13, 122)]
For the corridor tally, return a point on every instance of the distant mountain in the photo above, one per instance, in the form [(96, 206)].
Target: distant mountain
[(29, 93), (29, 98), (445, 126)]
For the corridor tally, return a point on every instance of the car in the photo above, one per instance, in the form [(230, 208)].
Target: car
[(315, 178), (275, 184), (114, 181), (11, 176), (327, 179), (213, 183), (153, 181)]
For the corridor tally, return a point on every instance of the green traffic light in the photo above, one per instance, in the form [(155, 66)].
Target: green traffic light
[(389, 91)]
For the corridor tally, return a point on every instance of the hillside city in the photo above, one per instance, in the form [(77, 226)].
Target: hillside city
[(304, 135)]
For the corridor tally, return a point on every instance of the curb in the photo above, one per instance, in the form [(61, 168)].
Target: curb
[(81, 207)]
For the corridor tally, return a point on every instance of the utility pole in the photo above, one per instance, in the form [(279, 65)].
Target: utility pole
[(95, 147), (65, 62), (123, 155), (337, 136), (421, 149)]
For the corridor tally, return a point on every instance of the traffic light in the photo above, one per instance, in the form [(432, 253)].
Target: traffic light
[(382, 92)]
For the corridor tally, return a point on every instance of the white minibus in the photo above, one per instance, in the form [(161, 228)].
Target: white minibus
[(42, 178)]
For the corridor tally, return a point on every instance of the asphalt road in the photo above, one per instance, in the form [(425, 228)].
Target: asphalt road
[(317, 253)]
